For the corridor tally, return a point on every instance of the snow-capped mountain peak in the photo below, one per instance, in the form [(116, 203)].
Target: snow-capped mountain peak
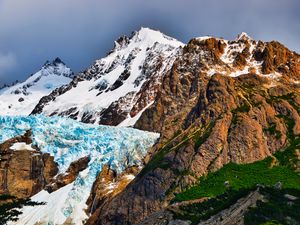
[(21, 98), (119, 86), (243, 36), (145, 36), (150, 36), (57, 67), (55, 63)]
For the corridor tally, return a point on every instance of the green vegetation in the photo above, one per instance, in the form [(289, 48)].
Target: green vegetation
[(288, 97), (202, 211), (175, 121), (290, 125), (249, 175), (241, 109), (271, 223), (10, 207), (276, 208), (273, 131), (200, 137), (238, 177), (287, 157), (225, 186)]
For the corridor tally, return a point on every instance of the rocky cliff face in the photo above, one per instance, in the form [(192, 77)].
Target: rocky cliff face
[(25, 170), (222, 101), (69, 176), (106, 187)]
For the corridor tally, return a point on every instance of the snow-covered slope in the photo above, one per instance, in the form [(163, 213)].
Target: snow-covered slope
[(21, 98), (118, 87), (68, 140)]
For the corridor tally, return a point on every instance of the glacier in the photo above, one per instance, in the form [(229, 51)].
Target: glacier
[(68, 140)]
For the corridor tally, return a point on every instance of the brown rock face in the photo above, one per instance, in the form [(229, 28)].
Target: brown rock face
[(100, 188), (107, 185), (23, 173), (277, 57), (207, 121), (69, 176)]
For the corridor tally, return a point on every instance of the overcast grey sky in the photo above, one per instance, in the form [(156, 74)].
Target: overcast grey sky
[(81, 31)]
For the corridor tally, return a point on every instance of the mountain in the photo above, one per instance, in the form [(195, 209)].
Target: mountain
[(227, 112), (116, 89), (228, 115), (21, 98)]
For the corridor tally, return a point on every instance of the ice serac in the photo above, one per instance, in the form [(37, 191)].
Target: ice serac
[(117, 88), (21, 98), (69, 141)]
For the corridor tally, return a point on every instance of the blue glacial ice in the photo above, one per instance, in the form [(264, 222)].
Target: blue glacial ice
[(68, 140)]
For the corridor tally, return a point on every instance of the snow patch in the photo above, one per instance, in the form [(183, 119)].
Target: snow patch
[(130, 121), (273, 76), (203, 38), (239, 72), (22, 146), (243, 36)]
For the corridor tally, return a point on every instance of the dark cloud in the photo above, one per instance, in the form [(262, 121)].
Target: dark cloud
[(7, 62), (80, 31)]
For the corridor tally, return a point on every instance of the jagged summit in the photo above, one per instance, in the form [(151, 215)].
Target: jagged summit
[(243, 36), (56, 62), (121, 42), (21, 97), (146, 36)]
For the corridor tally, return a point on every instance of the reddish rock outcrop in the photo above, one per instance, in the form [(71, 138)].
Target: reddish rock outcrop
[(69, 176), (24, 173), (107, 185)]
